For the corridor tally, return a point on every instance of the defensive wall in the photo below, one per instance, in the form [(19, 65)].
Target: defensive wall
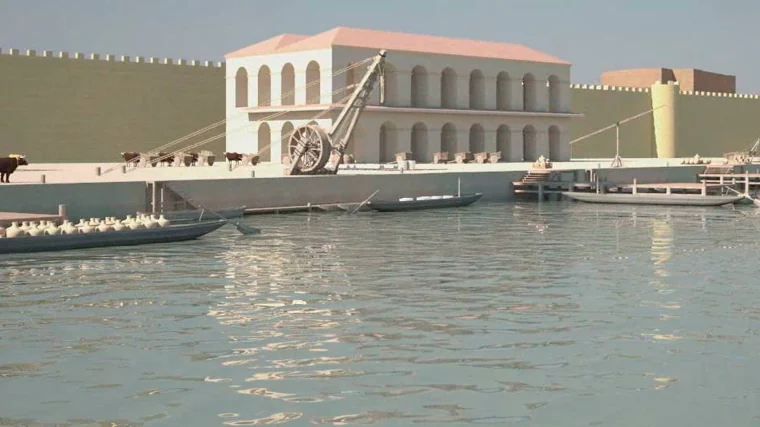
[(684, 124), (72, 107)]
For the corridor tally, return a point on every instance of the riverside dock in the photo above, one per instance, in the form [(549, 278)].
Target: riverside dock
[(714, 180)]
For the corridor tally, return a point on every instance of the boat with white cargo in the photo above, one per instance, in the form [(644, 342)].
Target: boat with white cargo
[(46, 236)]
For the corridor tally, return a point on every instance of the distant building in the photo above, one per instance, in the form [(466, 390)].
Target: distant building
[(688, 79), (441, 94)]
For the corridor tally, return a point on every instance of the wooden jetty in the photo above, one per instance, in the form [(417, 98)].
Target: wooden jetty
[(8, 218), (715, 180)]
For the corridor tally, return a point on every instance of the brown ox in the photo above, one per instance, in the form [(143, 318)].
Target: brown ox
[(234, 157), (131, 158), (8, 165)]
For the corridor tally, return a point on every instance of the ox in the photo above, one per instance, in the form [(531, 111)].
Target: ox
[(9, 164), (133, 158), (166, 159), (234, 157)]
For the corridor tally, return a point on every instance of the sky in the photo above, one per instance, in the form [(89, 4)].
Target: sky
[(595, 35)]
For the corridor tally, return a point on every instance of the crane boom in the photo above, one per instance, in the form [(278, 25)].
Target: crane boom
[(315, 152)]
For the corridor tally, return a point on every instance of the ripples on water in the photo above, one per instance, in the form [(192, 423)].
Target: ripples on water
[(559, 314)]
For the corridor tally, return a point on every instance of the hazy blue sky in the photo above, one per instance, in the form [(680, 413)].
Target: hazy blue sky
[(595, 35)]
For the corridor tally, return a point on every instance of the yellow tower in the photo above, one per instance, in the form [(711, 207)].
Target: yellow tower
[(664, 100)]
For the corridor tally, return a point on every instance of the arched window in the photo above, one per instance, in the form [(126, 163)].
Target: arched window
[(241, 87)]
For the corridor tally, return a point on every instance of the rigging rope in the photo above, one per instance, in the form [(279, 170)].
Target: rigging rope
[(219, 123), (270, 117)]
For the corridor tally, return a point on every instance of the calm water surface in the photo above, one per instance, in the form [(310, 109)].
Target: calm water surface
[(505, 314)]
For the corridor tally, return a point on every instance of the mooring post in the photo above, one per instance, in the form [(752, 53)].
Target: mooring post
[(667, 190), (97, 170), (635, 189), (746, 182), (253, 174), (62, 212), (162, 197), (123, 168), (540, 191), (229, 167), (42, 178), (704, 187), (153, 196)]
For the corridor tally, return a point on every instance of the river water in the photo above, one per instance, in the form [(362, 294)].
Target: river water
[(505, 314)]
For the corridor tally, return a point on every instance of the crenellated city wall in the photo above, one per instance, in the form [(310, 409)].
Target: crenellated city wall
[(603, 106), (686, 123), (74, 107)]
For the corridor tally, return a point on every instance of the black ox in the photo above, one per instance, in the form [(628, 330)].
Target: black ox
[(8, 165)]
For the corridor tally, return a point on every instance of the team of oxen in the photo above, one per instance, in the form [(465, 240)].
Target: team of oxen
[(188, 159), (9, 164)]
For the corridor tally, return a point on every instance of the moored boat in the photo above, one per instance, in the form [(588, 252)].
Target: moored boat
[(423, 202), (653, 198), (127, 237)]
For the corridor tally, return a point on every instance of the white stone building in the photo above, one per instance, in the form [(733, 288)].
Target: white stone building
[(442, 94)]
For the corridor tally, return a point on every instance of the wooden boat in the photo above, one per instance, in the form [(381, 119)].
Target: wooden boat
[(169, 234), (653, 199), (424, 202), (193, 215)]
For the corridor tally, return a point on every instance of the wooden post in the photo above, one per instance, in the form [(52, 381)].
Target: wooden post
[(97, 170), (162, 197), (721, 180), (540, 191), (704, 187), (746, 182), (667, 190), (635, 190), (153, 197), (62, 212), (42, 178)]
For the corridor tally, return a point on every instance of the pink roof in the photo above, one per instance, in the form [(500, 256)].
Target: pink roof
[(372, 39), (268, 46)]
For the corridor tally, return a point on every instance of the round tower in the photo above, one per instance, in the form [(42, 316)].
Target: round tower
[(665, 96)]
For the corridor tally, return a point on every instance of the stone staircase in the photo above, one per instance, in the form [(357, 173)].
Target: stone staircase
[(537, 175)]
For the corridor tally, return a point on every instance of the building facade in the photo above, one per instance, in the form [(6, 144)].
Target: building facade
[(441, 94)]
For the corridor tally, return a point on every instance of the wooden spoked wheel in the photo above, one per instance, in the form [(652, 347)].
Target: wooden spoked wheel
[(314, 145)]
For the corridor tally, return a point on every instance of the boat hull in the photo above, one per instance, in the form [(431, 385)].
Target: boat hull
[(170, 234), (653, 199), (412, 205)]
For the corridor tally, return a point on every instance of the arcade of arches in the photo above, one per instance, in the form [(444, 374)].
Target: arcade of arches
[(422, 140), (510, 93)]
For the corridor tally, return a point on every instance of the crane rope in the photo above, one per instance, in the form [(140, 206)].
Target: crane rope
[(270, 117), (220, 122)]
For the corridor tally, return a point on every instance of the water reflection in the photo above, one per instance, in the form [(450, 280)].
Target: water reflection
[(501, 314)]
